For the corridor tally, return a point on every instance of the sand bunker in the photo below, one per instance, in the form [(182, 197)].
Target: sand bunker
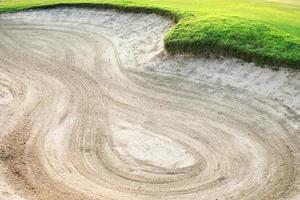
[(91, 107)]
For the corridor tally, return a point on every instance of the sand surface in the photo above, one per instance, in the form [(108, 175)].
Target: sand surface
[(92, 107)]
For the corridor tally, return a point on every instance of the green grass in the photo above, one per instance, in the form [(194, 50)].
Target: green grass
[(262, 31)]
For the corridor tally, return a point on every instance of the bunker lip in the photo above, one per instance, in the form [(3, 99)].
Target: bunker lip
[(103, 112), (186, 39)]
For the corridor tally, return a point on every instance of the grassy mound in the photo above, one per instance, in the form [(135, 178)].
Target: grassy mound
[(258, 31), (233, 36)]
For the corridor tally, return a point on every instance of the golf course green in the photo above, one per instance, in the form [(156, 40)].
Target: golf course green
[(264, 32)]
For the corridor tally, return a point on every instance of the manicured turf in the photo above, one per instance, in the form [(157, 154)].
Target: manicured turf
[(266, 32)]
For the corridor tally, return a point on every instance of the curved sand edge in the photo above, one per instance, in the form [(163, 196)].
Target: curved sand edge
[(146, 53)]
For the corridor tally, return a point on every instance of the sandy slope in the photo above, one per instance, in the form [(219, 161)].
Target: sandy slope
[(92, 108)]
